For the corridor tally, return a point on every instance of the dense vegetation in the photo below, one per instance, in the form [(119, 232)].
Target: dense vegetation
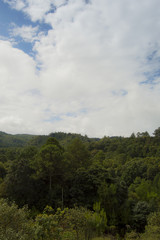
[(67, 186)]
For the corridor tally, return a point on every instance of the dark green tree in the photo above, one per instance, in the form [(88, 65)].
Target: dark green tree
[(19, 184), (77, 155), (157, 132), (49, 166), (140, 214), (85, 183)]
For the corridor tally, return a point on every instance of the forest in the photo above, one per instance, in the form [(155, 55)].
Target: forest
[(66, 186)]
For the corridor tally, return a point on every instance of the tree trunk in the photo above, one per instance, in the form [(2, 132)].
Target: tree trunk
[(50, 183)]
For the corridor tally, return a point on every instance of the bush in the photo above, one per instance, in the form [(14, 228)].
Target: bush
[(14, 222)]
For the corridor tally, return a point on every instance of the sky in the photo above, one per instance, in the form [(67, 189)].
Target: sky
[(81, 66)]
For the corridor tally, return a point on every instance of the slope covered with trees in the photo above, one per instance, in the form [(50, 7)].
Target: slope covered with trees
[(111, 185)]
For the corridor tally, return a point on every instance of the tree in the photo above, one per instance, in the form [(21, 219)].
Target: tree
[(133, 135), (19, 185), (77, 155), (157, 132), (99, 218), (2, 170), (14, 222), (132, 169), (49, 166), (140, 213), (113, 197), (85, 184), (46, 227), (85, 223), (99, 157), (143, 134), (152, 230)]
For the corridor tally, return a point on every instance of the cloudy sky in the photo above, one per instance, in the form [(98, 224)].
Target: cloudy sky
[(82, 66)]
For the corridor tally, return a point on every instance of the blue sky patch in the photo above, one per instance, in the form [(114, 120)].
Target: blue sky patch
[(9, 18), (151, 77), (87, 1), (152, 55), (24, 46)]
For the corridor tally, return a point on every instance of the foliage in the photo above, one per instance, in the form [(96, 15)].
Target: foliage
[(120, 173), (14, 222), (69, 224), (83, 223), (140, 213), (77, 155), (132, 236), (18, 140), (157, 132), (99, 218), (152, 230), (46, 227)]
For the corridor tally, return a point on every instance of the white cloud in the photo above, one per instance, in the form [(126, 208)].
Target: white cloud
[(27, 33), (35, 9), (17, 4), (17, 78), (92, 61)]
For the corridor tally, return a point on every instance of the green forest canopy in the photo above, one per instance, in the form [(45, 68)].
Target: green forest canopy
[(118, 175)]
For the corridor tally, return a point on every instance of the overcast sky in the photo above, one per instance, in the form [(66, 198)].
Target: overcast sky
[(82, 66)]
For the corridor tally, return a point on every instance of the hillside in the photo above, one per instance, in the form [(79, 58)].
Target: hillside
[(22, 140), (116, 180), (17, 140)]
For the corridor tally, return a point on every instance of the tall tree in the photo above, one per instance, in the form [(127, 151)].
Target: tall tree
[(18, 183), (49, 165), (77, 155), (157, 132)]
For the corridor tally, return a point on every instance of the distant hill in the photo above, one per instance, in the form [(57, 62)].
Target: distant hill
[(65, 138), (18, 140), (22, 140)]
